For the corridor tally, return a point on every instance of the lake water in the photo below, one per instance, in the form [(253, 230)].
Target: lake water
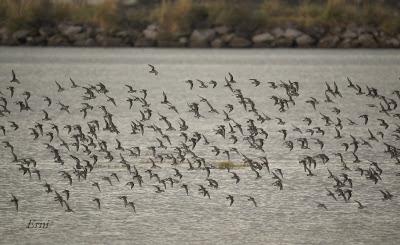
[(288, 216)]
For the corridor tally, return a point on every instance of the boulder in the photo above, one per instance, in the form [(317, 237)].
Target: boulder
[(79, 36), (305, 41), (57, 40), (144, 42), (221, 30), (217, 43), (201, 38), (283, 42), (170, 43), (70, 30), (392, 43), (367, 41), (90, 42), (183, 41), (47, 31), (278, 32), (36, 41), (349, 34), (291, 33), (21, 35), (151, 32), (108, 41), (239, 42), (347, 43), (227, 37), (329, 41), (263, 38)]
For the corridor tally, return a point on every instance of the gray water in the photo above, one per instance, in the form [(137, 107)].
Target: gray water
[(289, 216)]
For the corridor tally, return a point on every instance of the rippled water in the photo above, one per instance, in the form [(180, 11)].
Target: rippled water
[(289, 216)]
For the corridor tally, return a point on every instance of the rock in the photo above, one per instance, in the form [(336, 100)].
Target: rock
[(305, 41), (316, 31), (291, 33), (79, 37), (170, 44), (217, 43), (90, 42), (367, 41), (122, 34), (21, 35), (201, 38), (227, 37), (278, 32), (263, 38), (57, 40), (221, 30), (183, 41), (283, 42), (144, 42), (36, 41), (349, 34), (4, 36), (347, 43), (70, 30), (46, 31), (336, 30), (108, 41), (329, 41), (392, 43), (239, 42), (151, 32)]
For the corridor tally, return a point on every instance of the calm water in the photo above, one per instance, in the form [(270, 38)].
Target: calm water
[(289, 216)]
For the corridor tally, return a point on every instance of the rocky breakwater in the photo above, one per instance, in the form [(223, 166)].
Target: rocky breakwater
[(67, 34)]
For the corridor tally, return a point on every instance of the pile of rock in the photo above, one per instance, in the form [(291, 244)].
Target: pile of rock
[(66, 34)]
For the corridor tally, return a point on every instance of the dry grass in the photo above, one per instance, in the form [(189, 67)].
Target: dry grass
[(181, 16)]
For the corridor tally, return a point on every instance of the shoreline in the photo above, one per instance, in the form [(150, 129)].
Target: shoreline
[(83, 35)]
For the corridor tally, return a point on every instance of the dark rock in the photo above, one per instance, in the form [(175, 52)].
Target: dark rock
[(21, 35), (329, 41), (108, 41), (57, 40), (36, 41), (278, 32), (349, 34), (70, 30), (151, 32), (170, 44), (201, 38), (263, 39), (79, 36), (47, 31), (239, 42), (283, 42), (183, 41), (367, 41), (392, 43), (227, 37), (217, 43), (144, 42), (305, 41), (348, 43), (221, 30), (291, 33)]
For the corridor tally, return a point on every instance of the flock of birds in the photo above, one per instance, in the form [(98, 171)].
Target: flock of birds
[(78, 148)]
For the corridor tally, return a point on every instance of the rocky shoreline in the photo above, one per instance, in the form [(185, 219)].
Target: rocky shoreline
[(77, 35)]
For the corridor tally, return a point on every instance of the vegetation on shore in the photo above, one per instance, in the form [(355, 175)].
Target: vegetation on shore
[(181, 16)]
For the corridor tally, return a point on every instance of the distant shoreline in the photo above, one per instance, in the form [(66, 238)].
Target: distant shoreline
[(75, 35)]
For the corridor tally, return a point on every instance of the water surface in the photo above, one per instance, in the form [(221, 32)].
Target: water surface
[(289, 216)]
